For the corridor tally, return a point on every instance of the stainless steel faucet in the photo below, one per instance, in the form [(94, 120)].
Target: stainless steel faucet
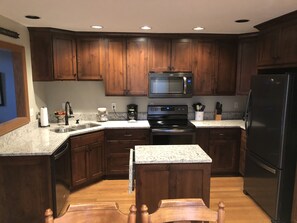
[(67, 105)]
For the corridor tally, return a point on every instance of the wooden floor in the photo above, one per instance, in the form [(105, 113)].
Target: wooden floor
[(239, 207)]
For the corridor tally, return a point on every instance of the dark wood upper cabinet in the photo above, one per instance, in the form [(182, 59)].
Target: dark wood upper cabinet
[(90, 57), (159, 54), (246, 63), (64, 54), (204, 66), (166, 54), (277, 46), (126, 73), (115, 78), (137, 66), (226, 69)]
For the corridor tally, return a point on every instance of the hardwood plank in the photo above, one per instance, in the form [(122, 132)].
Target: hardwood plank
[(239, 207)]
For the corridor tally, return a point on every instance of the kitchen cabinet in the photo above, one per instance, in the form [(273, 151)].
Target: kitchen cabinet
[(41, 54), (118, 143), (278, 42), (167, 54), (87, 158), (127, 69), (226, 70), (246, 63), (204, 65), (90, 58), (53, 54), (171, 180), (294, 207), (64, 54), (222, 145), (242, 152)]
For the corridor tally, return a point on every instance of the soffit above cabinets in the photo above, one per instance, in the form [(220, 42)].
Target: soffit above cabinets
[(164, 16)]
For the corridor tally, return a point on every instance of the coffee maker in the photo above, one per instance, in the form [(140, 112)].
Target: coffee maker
[(132, 112)]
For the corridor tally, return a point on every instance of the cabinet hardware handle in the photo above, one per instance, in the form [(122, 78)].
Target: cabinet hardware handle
[(221, 134), (128, 135)]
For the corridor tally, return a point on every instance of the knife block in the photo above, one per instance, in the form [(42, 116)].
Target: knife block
[(218, 117)]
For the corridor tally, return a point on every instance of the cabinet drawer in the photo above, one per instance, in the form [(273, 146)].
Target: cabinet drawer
[(126, 134), (225, 133), (118, 163), (122, 146), (87, 139)]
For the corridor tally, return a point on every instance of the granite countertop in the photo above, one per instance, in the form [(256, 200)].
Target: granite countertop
[(156, 154), (31, 140)]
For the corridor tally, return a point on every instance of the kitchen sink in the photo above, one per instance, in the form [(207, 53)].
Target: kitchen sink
[(63, 129)]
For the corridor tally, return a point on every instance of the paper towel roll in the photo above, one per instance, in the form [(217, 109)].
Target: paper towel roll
[(43, 117)]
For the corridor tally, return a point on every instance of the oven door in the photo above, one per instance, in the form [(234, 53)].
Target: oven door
[(172, 137)]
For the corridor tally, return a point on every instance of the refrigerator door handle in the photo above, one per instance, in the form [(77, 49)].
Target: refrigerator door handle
[(265, 167), (247, 113)]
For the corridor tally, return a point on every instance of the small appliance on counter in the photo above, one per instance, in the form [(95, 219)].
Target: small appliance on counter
[(131, 112), (102, 115)]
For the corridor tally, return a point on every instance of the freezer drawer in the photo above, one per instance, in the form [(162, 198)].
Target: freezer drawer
[(262, 183)]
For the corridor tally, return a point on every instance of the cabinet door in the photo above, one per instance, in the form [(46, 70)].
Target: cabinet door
[(242, 153), (159, 55), (267, 52), (79, 160), (226, 70), (246, 64), (204, 66), (64, 53), (41, 55), (95, 157), (224, 150), (181, 59), (115, 78), (288, 45), (89, 59), (137, 66), (152, 185)]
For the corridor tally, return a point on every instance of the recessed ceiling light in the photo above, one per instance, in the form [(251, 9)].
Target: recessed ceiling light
[(146, 28), (32, 17), (97, 27), (242, 20), (198, 28)]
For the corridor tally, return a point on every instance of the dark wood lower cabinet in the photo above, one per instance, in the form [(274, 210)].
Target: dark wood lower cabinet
[(118, 143), (25, 188), (242, 152), (87, 158), (222, 145), (162, 181)]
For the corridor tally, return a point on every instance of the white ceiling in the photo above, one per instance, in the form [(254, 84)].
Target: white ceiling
[(164, 16)]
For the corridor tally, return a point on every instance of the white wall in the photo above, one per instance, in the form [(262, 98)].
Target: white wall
[(87, 96)]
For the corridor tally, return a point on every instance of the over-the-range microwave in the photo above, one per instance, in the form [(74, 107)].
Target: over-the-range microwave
[(170, 85)]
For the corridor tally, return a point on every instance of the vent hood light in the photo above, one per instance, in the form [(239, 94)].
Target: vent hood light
[(97, 27), (146, 28), (32, 17), (198, 28)]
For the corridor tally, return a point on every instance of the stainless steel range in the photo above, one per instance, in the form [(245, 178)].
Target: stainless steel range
[(170, 125)]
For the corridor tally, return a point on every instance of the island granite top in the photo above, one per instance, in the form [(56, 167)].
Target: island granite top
[(156, 154)]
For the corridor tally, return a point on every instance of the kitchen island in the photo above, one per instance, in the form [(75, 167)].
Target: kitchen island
[(171, 171)]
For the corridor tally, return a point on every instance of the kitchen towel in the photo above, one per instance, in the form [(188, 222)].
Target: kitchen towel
[(44, 117)]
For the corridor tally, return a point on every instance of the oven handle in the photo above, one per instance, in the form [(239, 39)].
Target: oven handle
[(172, 130), (185, 85)]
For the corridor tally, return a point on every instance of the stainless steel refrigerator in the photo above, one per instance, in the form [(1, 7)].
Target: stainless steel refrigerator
[(271, 126)]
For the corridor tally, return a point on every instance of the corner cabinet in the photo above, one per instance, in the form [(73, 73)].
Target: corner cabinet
[(87, 158), (222, 145), (246, 63), (127, 66), (118, 143)]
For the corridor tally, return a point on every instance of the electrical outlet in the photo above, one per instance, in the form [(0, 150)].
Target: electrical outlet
[(236, 105), (113, 106)]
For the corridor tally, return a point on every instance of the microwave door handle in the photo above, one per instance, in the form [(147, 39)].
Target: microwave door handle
[(185, 85)]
